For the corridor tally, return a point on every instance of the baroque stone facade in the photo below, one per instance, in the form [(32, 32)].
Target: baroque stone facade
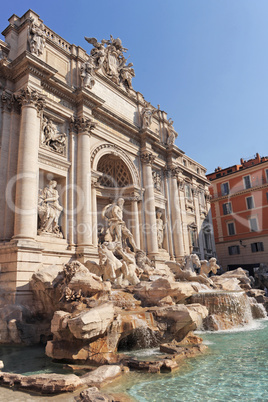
[(75, 137)]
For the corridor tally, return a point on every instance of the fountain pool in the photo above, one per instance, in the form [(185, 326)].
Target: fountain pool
[(234, 369)]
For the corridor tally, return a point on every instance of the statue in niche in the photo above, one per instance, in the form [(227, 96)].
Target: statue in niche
[(37, 38), (86, 72), (49, 210), (51, 138), (160, 229), (157, 181), (117, 230), (171, 133), (118, 250)]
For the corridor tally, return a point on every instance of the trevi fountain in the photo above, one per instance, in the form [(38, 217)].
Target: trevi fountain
[(110, 286)]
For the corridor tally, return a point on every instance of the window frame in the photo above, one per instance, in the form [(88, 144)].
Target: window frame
[(258, 247), (186, 186), (257, 223), (244, 181), (223, 193), (228, 231), (253, 203), (231, 248), (227, 208)]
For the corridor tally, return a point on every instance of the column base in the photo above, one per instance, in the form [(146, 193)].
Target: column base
[(19, 259), (85, 253)]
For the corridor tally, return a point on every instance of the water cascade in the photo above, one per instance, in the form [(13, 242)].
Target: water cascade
[(228, 309)]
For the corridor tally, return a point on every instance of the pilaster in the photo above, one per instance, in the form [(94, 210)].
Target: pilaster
[(176, 214), (84, 221), (147, 159), (27, 171)]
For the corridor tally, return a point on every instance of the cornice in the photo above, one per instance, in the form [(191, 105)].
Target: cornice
[(48, 158), (27, 62)]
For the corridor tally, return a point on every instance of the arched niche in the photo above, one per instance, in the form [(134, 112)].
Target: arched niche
[(113, 151)]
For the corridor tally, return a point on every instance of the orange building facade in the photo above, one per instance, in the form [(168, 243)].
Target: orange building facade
[(239, 208)]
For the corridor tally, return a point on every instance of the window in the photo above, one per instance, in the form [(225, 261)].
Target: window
[(227, 208), (218, 175), (202, 199), (267, 197), (250, 202), (188, 192), (266, 171), (231, 228), (234, 250), (255, 247), (229, 170), (207, 238), (193, 235), (253, 224), (247, 182), (225, 188)]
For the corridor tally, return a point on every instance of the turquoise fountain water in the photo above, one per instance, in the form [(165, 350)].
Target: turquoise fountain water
[(234, 369)]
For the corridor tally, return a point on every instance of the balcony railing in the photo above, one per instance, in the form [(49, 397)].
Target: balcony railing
[(241, 187)]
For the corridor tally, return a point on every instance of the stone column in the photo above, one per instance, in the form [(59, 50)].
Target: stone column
[(6, 105), (27, 170), (198, 222), (209, 216), (149, 204), (176, 223), (184, 223), (84, 222), (168, 217), (94, 211), (135, 218), (71, 190)]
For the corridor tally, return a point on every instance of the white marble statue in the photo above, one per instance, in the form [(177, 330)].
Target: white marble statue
[(52, 138), (86, 73), (117, 230), (160, 229), (186, 272), (157, 180), (171, 133), (126, 75), (129, 267), (209, 266), (108, 56), (49, 210), (110, 265), (37, 38)]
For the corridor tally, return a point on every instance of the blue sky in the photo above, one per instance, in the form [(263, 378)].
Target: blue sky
[(204, 61)]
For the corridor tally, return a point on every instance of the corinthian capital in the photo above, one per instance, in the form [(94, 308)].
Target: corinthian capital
[(7, 101), (84, 125), (175, 171), (30, 97), (147, 157)]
